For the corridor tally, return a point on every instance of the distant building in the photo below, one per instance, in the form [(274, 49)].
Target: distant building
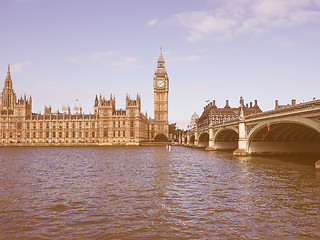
[(218, 115), (193, 121), (106, 126)]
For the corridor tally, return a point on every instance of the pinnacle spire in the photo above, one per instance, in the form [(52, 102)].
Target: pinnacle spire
[(8, 73), (161, 57), (8, 81), (161, 60)]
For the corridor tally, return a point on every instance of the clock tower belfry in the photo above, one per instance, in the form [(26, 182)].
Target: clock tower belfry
[(161, 90)]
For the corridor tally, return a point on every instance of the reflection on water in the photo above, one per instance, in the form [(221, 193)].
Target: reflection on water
[(151, 193)]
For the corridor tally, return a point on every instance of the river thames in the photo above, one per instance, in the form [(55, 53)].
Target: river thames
[(151, 193)]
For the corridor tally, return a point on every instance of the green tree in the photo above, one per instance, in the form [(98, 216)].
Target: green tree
[(161, 138), (172, 128)]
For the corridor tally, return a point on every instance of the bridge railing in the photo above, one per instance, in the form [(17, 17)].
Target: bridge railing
[(226, 123), (314, 104)]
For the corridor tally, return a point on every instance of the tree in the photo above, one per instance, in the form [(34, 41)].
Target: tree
[(174, 132), (161, 138), (172, 128)]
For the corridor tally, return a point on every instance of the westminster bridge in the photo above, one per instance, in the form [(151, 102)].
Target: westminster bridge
[(292, 129)]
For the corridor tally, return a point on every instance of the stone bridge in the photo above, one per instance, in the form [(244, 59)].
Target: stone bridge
[(293, 129)]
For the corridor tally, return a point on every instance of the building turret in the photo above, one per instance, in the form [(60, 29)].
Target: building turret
[(104, 107), (96, 101), (66, 110), (8, 82), (96, 105), (77, 110), (8, 96), (134, 105), (23, 107), (139, 102), (47, 110)]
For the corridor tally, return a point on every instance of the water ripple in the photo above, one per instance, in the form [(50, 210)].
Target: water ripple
[(150, 193)]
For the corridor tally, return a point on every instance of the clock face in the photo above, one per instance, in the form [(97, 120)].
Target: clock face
[(160, 83)]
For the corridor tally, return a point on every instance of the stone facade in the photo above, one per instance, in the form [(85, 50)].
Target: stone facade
[(106, 126)]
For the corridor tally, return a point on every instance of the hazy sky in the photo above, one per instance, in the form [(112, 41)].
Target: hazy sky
[(67, 50)]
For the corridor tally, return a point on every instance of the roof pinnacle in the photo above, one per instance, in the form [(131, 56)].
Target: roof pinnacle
[(8, 81), (8, 73), (161, 57)]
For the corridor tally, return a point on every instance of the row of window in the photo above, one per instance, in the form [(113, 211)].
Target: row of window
[(67, 134), (47, 134), (47, 125), (118, 134), (60, 125), (115, 123)]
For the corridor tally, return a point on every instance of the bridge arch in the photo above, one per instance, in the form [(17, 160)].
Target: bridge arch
[(185, 140), (285, 137), (203, 139), (226, 139), (192, 140)]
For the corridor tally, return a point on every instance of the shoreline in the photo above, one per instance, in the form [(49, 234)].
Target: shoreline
[(35, 145)]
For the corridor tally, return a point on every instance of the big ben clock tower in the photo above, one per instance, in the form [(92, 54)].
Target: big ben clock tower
[(161, 89)]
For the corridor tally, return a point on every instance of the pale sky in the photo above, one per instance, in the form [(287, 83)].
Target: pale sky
[(67, 50)]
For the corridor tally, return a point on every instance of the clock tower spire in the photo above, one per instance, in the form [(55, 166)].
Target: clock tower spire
[(161, 90)]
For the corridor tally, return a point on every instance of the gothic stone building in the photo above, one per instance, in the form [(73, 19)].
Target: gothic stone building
[(106, 126)]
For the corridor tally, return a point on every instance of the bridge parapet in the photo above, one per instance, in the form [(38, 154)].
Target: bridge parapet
[(225, 124), (288, 110)]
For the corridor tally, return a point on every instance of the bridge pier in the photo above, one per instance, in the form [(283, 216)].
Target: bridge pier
[(196, 136), (211, 140), (242, 141)]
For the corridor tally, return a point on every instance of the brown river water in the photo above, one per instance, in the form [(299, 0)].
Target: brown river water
[(151, 193)]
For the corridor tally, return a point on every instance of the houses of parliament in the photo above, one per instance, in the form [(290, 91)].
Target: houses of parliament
[(19, 126)]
